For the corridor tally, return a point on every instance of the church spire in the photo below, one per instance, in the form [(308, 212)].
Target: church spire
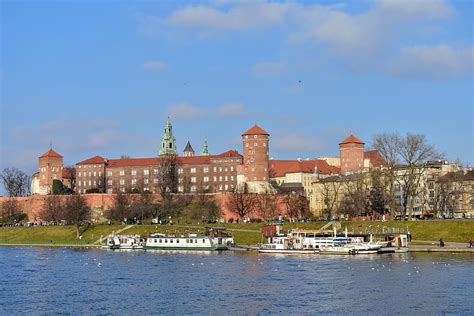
[(205, 151), (168, 141), (188, 150)]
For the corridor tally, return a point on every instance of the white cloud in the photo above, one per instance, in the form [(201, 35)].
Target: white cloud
[(154, 65), (102, 138), (232, 110), (243, 16), (185, 111), (269, 68), (436, 62), (297, 143)]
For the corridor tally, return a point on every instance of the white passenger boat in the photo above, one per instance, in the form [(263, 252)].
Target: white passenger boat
[(190, 242), (311, 241), (280, 245), (127, 242)]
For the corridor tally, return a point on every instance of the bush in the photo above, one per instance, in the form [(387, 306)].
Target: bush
[(58, 187), (94, 190)]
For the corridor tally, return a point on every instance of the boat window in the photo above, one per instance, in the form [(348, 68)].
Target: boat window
[(191, 241), (155, 241), (160, 240), (195, 241), (171, 240), (203, 241), (166, 240), (177, 241)]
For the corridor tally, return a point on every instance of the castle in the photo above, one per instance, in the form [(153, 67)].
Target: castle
[(213, 173)]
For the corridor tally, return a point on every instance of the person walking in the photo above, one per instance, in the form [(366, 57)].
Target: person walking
[(471, 242), (441, 242)]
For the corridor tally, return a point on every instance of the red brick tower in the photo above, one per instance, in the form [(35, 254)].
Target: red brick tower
[(50, 168), (254, 170), (352, 154)]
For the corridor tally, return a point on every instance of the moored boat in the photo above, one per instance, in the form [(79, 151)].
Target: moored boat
[(126, 242), (190, 242)]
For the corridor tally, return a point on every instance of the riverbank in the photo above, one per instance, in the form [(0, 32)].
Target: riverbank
[(245, 234)]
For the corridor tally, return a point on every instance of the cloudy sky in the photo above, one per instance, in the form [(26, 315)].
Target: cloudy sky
[(100, 77)]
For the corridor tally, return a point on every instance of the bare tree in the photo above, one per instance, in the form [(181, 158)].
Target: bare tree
[(406, 156), (10, 211), (15, 181), (120, 209), (357, 194), (53, 209), (296, 206), (415, 152), (77, 212), (167, 177), (241, 202), (378, 198), (330, 192), (267, 205)]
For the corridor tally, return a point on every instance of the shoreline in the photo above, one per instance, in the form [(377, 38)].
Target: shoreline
[(238, 247)]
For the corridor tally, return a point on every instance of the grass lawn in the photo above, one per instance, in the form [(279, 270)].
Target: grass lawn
[(245, 234)]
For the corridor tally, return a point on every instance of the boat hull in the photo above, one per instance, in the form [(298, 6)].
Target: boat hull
[(288, 251), (186, 248)]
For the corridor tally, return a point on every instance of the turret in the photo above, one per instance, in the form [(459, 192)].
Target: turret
[(188, 150), (351, 154), (168, 142)]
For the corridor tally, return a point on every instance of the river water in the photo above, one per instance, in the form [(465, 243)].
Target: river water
[(79, 281)]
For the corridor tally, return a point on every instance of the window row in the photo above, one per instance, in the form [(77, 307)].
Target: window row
[(89, 183), (91, 174)]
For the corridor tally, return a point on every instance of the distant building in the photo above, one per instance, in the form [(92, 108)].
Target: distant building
[(50, 168)]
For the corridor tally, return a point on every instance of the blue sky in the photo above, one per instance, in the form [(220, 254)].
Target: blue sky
[(100, 77)]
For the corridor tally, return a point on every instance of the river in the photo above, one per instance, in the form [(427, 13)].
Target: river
[(92, 281)]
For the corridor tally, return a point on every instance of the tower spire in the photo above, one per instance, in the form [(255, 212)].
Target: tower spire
[(168, 141), (205, 151)]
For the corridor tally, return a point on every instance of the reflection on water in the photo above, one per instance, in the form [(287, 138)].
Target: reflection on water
[(51, 281)]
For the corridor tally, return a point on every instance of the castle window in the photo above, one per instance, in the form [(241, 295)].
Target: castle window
[(90, 173), (122, 181), (79, 173), (264, 144), (180, 188), (95, 173), (231, 168), (79, 183), (193, 188), (231, 178), (215, 179), (220, 169), (109, 182), (226, 169), (193, 170), (180, 171), (254, 136), (122, 172), (193, 179), (109, 191), (220, 178), (134, 172), (90, 182), (155, 171), (206, 169), (95, 183), (226, 178), (146, 172), (145, 181), (206, 179), (109, 173), (215, 169), (255, 144), (134, 181), (122, 190), (226, 187), (155, 180), (100, 173)]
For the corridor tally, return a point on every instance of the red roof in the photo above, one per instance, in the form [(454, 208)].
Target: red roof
[(93, 160), (375, 157), (228, 154), (351, 140), (256, 130), (282, 167), (51, 153), (68, 173), (135, 162), (193, 160)]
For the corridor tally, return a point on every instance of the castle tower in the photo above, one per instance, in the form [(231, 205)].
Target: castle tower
[(168, 142), (50, 168), (254, 171), (205, 151), (351, 154), (188, 150)]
